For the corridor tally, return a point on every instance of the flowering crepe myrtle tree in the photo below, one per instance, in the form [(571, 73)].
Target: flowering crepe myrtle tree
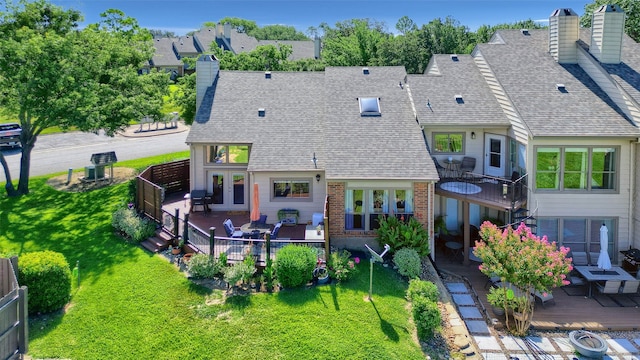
[(526, 261)]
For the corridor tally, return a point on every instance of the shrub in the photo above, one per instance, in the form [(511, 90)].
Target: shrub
[(408, 262), (48, 277), (426, 316), (422, 288), (134, 227), (238, 272), (203, 266), (269, 275), (341, 267), (295, 265), (399, 234)]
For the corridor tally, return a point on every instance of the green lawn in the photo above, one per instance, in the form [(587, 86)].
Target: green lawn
[(134, 305)]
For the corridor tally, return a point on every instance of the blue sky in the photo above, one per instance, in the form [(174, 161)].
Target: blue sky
[(181, 16)]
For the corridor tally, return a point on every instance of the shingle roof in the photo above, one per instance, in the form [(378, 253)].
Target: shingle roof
[(461, 77), (317, 112), (164, 54), (529, 75), (185, 45), (303, 49)]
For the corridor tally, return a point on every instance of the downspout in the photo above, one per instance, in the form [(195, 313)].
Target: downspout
[(632, 155)]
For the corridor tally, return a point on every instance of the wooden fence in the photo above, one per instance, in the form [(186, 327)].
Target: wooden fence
[(14, 325), (157, 181)]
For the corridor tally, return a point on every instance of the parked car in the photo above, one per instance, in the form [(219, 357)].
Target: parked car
[(10, 134)]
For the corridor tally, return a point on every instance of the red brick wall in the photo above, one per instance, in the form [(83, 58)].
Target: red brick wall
[(423, 195)]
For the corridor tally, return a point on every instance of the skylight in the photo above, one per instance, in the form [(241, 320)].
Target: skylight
[(369, 106)]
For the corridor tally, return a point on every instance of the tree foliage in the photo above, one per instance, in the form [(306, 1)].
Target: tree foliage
[(277, 32), (56, 75), (527, 262), (631, 9)]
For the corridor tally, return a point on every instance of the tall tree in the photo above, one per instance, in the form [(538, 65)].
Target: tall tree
[(631, 9), (277, 32), (56, 75)]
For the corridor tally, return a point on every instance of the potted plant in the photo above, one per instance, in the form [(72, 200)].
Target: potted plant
[(497, 298), (177, 249)]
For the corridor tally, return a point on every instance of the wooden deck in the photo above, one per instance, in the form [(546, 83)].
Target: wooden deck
[(564, 312)]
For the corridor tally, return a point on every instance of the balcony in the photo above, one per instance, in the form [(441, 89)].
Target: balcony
[(492, 192)]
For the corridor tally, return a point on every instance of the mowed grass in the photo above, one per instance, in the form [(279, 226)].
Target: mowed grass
[(135, 305)]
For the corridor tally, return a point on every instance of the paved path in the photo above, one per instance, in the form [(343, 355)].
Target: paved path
[(494, 345)]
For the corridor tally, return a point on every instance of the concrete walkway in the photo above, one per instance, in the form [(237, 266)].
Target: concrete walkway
[(494, 345)]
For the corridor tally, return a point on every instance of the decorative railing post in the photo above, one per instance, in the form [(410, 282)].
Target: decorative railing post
[(212, 233), (176, 220), (267, 238), (185, 229)]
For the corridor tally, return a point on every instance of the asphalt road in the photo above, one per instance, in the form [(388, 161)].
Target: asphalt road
[(60, 152)]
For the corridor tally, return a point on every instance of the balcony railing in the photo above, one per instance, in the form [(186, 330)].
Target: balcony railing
[(495, 192)]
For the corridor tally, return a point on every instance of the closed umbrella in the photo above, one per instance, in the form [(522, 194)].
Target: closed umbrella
[(604, 262), (255, 209)]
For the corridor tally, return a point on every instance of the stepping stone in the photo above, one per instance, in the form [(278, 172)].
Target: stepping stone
[(494, 356), (513, 343), (622, 346), (457, 288), (541, 343), (477, 327), (487, 343), (463, 299), (469, 312)]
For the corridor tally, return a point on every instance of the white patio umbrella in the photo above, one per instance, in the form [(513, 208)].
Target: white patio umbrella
[(604, 262)]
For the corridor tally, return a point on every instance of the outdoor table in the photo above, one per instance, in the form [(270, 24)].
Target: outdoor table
[(452, 167), (594, 273), (311, 233), (248, 228)]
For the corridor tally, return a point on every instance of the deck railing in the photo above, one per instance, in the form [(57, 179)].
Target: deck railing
[(237, 249), (508, 194)]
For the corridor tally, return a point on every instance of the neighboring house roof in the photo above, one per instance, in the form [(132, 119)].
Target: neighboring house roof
[(529, 75), (185, 45), (241, 42), (164, 54), (446, 77), (318, 112), (302, 49)]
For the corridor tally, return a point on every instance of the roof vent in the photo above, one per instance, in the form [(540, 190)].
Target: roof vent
[(561, 88), (267, 74), (365, 71), (459, 99), (525, 32), (261, 112), (454, 57)]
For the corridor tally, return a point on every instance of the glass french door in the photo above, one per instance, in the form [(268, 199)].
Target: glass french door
[(229, 190)]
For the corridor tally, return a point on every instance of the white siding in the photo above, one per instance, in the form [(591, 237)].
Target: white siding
[(306, 208)]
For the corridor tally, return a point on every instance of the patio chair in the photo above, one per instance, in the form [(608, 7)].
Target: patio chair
[(198, 199), (274, 232), (544, 298), (467, 166), (630, 287), (441, 169), (593, 258), (579, 258), (609, 287), (232, 231)]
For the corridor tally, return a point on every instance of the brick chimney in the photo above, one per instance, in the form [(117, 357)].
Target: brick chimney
[(563, 34), (607, 30)]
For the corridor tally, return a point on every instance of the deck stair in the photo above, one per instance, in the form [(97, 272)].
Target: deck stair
[(160, 242), (522, 215)]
